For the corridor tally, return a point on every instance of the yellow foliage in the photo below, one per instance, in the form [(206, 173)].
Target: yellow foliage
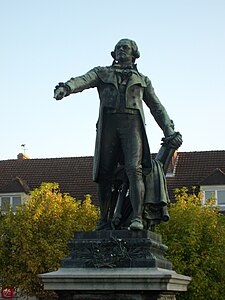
[(195, 236), (35, 240)]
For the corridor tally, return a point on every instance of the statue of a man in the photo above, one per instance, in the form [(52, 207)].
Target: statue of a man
[(121, 136)]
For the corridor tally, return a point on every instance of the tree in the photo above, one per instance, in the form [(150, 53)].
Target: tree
[(195, 236), (34, 240)]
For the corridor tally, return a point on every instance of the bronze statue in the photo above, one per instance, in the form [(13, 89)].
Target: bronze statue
[(121, 138)]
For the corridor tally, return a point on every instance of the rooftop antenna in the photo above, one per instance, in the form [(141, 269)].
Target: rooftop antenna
[(24, 148)]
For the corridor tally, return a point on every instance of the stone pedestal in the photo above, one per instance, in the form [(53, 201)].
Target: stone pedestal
[(116, 249), (116, 265)]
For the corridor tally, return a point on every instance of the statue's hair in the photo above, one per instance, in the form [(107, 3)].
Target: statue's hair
[(136, 53)]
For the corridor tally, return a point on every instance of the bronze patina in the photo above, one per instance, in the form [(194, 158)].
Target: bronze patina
[(131, 186)]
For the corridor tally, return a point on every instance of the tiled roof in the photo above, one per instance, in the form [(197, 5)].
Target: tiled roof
[(74, 174), (193, 167), (217, 177), (15, 186)]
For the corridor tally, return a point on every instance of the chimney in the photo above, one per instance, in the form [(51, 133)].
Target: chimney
[(22, 156)]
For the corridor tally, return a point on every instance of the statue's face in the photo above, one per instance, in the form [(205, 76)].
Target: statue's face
[(123, 52)]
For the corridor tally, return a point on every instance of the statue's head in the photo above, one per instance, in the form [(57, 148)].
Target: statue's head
[(125, 51)]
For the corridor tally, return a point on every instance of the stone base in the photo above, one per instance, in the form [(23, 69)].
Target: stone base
[(115, 284), (116, 249), (116, 265), (113, 296)]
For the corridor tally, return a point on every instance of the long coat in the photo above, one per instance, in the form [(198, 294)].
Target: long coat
[(138, 89)]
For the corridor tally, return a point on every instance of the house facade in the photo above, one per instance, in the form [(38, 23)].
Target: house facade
[(204, 170)]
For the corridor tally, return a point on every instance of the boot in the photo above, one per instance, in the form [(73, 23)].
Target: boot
[(136, 224), (137, 198), (104, 197)]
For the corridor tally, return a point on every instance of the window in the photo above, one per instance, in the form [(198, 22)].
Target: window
[(221, 197), (10, 200), (217, 192), (16, 200), (5, 203)]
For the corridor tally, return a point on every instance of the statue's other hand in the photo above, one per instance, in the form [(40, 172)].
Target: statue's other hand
[(173, 141), (59, 92), (177, 140)]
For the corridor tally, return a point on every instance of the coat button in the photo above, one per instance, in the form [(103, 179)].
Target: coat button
[(134, 104)]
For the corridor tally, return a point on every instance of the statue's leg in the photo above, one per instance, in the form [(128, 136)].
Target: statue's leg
[(136, 193), (118, 213), (108, 161), (131, 138), (104, 198)]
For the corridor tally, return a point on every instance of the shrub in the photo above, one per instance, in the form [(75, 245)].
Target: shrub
[(34, 240), (195, 236)]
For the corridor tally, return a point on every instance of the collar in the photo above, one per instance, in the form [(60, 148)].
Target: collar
[(131, 69), (122, 67)]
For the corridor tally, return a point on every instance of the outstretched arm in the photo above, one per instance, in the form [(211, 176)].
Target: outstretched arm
[(77, 84)]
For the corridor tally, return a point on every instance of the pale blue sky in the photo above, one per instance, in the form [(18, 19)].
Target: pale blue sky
[(182, 46)]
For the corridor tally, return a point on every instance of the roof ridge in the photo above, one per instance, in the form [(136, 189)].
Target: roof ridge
[(48, 158)]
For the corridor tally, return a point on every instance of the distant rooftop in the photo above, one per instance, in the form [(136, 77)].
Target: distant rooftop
[(74, 174)]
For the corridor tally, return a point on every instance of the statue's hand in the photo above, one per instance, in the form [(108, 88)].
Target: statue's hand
[(60, 91), (173, 141)]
